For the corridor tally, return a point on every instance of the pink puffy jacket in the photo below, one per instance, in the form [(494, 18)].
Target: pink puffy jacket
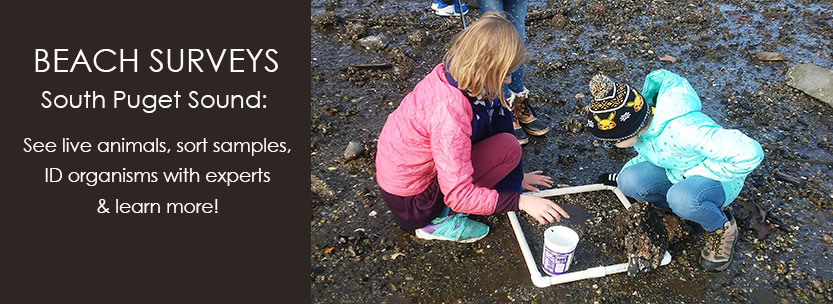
[(428, 136)]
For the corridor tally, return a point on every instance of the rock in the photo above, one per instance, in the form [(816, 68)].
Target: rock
[(780, 268), (668, 58), (354, 150), (572, 126), (608, 64), (813, 80), (320, 188), (355, 30), (558, 21), (645, 235), (770, 56), (325, 21), (417, 39), (818, 285), (374, 42), (330, 5), (827, 239), (696, 18), (596, 10), (401, 57)]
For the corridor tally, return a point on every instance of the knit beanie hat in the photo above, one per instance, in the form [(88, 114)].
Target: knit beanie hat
[(617, 111)]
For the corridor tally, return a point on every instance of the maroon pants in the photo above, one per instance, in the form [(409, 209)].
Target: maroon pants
[(492, 159)]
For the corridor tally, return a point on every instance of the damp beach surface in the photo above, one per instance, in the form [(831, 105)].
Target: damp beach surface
[(366, 55)]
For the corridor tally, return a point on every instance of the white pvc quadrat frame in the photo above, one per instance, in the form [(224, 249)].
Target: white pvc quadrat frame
[(595, 272)]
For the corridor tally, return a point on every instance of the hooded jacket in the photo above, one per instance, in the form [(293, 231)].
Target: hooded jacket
[(688, 143), (430, 135)]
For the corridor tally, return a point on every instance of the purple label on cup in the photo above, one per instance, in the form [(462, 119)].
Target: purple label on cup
[(555, 262)]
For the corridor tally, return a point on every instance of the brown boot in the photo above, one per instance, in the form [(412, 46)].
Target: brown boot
[(720, 246), (525, 115)]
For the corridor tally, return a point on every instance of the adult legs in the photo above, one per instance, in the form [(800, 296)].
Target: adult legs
[(490, 6), (515, 11)]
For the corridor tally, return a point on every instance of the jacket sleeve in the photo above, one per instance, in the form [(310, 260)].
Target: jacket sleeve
[(450, 125), (729, 154)]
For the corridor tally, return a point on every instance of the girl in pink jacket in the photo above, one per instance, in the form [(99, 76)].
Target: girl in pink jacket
[(449, 149)]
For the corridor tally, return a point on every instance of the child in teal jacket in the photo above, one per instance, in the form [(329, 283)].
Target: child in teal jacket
[(686, 161)]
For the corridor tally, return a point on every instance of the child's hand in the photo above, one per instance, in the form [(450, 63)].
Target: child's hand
[(535, 178), (543, 210)]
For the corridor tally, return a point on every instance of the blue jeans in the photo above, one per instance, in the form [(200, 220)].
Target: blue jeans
[(696, 198), (516, 13)]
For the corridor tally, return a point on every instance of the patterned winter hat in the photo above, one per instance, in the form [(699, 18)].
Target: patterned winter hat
[(617, 111)]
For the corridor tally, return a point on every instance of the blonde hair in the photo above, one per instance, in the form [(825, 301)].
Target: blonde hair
[(484, 54)]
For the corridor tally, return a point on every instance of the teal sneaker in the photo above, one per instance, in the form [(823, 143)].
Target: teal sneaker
[(457, 227)]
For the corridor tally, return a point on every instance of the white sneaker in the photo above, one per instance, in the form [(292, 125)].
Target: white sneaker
[(435, 4), (446, 10)]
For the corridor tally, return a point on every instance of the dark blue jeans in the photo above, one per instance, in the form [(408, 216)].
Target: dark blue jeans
[(516, 13), (696, 198)]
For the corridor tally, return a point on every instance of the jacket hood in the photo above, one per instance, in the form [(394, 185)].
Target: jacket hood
[(672, 96)]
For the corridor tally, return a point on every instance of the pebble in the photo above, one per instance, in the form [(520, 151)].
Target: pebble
[(354, 150), (325, 21), (819, 287), (355, 30), (827, 238), (609, 64), (417, 39), (558, 21), (372, 42)]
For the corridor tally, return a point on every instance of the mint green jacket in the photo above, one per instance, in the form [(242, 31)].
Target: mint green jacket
[(687, 143)]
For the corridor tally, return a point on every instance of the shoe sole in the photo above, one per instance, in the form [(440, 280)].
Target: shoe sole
[(704, 263), (537, 132), (444, 15), (428, 236)]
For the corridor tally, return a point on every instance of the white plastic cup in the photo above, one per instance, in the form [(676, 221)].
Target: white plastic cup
[(559, 247)]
